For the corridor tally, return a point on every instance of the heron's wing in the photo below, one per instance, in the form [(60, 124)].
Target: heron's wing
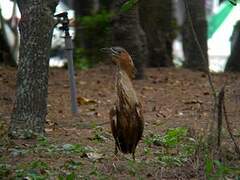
[(113, 121)]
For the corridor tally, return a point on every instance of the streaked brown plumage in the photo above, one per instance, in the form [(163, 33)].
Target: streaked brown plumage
[(126, 117)]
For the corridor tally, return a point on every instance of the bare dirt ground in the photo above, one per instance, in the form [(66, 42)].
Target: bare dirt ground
[(83, 144)]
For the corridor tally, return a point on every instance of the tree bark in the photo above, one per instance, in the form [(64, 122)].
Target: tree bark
[(36, 27), (128, 34), (197, 22), (156, 18)]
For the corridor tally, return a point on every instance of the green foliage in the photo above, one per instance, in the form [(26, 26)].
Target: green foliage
[(170, 139), (28, 134), (4, 170), (132, 167), (169, 160), (39, 170), (18, 151), (95, 34), (81, 60), (70, 176), (75, 149), (214, 169), (72, 164), (96, 174), (174, 136), (99, 134), (42, 141), (36, 170), (153, 139), (100, 20), (44, 146), (174, 148), (128, 5), (147, 150), (177, 147)]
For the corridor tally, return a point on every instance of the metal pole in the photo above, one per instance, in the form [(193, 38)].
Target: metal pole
[(71, 74), (64, 21)]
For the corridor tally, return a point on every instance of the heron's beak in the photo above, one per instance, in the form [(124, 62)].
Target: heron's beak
[(110, 52), (106, 50)]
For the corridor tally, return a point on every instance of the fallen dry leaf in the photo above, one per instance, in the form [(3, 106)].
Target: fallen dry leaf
[(194, 101), (48, 130), (85, 101), (82, 82), (148, 88), (94, 156)]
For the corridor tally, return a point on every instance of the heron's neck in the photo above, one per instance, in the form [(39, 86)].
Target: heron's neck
[(122, 72)]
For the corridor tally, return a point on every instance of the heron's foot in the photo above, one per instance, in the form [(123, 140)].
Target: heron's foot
[(133, 156)]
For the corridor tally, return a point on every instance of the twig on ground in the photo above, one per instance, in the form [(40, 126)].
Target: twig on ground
[(220, 117), (237, 149)]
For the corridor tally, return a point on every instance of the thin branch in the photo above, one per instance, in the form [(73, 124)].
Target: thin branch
[(237, 149), (220, 108)]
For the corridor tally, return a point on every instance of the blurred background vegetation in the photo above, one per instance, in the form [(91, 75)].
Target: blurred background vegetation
[(156, 33), (97, 34)]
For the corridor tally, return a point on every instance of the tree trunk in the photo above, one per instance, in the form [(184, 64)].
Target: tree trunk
[(233, 63), (128, 33), (156, 18), (6, 56), (36, 27), (192, 53)]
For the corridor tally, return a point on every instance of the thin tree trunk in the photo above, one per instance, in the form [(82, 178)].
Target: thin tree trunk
[(6, 55), (233, 63), (128, 33), (36, 27), (156, 18), (197, 22), (84, 8)]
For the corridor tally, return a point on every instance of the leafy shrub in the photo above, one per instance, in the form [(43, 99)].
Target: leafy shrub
[(95, 34)]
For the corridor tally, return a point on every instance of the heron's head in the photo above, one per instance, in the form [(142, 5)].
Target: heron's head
[(121, 58)]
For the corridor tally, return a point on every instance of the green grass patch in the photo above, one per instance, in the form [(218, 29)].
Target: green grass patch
[(36, 170), (174, 147), (215, 169)]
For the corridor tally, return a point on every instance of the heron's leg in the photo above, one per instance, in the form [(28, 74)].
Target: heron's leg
[(113, 120), (116, 149), (112, 113), (133, 156)]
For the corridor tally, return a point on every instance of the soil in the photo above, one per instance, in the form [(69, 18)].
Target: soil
[(170, 97)]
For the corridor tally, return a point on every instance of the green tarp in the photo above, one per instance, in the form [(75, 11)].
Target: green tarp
[(217, 19)]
